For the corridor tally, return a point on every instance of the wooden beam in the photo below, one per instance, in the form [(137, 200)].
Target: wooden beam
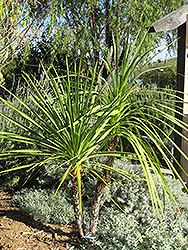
[(171, 21)]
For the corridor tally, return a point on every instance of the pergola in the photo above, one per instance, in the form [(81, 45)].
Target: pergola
[(179, 19)]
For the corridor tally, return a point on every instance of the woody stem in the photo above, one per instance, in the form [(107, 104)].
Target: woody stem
[(77, 212), (112, 144)]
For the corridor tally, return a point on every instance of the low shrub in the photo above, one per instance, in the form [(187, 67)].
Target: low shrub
[(140, 229), (126, 234), (36, 201), (15, 178)]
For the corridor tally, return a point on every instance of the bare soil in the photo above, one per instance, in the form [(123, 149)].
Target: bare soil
[(20, 231)]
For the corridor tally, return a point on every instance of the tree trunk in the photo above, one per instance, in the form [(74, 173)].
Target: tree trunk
[(77, 212), (112, 144)]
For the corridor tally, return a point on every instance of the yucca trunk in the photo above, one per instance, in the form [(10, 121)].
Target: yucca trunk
[(77, 212), (112, 144)]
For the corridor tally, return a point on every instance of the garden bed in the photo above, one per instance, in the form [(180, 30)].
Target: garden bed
[(19, 230), (116, 231)]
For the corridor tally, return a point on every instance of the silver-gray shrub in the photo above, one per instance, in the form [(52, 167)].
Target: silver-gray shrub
[(139, 230)]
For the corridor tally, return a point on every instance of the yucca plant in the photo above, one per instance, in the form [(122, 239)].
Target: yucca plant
[(133, 120), (65, 135), (78, 118)]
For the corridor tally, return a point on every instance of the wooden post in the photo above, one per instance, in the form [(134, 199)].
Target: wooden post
[(179, 19), (182, 85)]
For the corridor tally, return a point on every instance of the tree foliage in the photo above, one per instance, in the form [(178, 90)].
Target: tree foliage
[(77, 28), (19, 28), (161, 74), (106, 18)]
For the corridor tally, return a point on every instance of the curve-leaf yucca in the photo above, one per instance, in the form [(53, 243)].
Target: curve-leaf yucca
[(78, 117), (133, 120), (62, 131)]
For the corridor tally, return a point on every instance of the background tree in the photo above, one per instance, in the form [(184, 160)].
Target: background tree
[(101, 19), (161, 74), (79, 27), (17, 30)]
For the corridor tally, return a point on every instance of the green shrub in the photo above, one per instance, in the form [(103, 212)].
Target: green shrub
[(162, 74), (14, 178), (143, 93)]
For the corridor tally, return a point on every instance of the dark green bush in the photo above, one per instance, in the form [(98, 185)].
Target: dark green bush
[(163, 74), (17, 177), (145, 97)]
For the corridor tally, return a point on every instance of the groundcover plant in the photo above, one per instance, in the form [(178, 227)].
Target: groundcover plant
[(83, 117), (139, 230)]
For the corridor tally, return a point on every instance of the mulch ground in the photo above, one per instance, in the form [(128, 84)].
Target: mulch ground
[(20, 231)]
